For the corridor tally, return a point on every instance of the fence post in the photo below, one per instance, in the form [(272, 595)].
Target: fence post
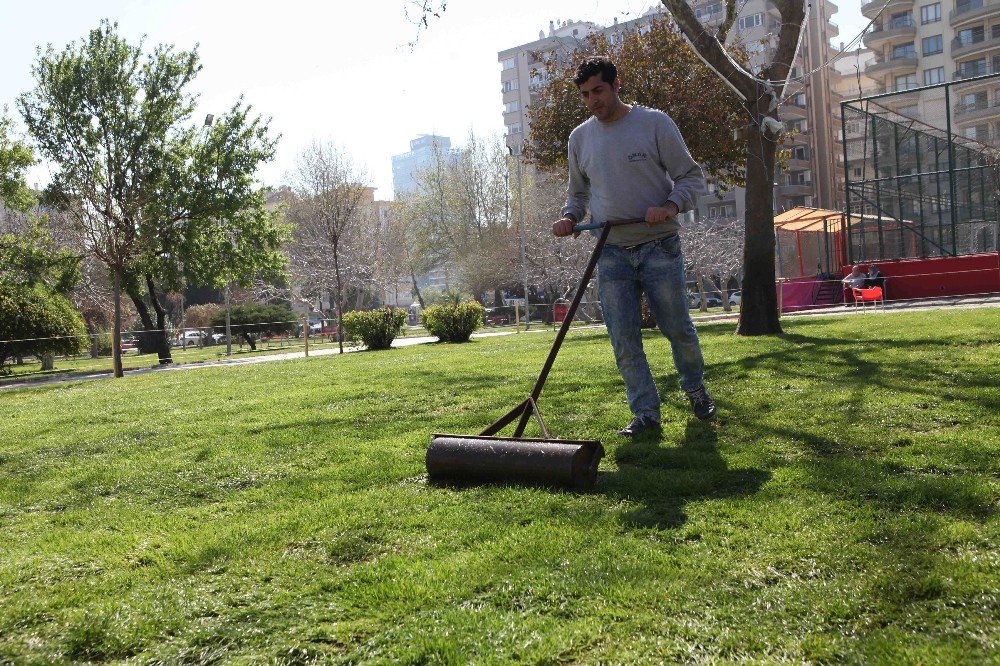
[(781, 291), (305, 333), (517, 317)]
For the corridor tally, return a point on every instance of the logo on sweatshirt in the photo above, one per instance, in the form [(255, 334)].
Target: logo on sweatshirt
[(638, 157)]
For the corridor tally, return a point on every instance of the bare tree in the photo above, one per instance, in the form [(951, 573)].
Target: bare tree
[(713, 251), (331, 206)]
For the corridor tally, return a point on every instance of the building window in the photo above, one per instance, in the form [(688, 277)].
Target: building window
[(930, 13), (932, 45), (901, 20), (509, 85), (514, 128), (970, 36), (798, 126), (934, 75), (511, 107), (751, 21), (971, 68), (906, 81), (903, 51), (800, 153), (509, 63), (706, 12)]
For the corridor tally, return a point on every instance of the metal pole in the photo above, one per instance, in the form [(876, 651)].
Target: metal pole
[(951, 166), (229, 338), (847, 174), (305, 332), (520, 223)]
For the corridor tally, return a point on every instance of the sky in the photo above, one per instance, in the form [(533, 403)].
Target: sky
[(327, 70)]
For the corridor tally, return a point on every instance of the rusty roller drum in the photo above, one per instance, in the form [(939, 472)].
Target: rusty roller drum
[(560, 462)]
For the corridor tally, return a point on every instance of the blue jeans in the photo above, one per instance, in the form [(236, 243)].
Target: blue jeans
[(656, 269)]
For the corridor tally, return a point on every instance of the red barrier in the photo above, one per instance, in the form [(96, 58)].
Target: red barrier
[(940, 276), (797, 294)]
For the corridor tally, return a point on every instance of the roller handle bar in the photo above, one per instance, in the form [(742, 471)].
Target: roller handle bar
[(597, 225)]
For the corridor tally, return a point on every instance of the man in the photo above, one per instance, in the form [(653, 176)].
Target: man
[(874, 277), (856, 279), (628, 162)]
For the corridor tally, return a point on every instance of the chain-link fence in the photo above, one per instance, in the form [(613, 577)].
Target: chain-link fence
[(921, 167)]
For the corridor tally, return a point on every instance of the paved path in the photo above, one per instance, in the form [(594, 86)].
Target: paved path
[(989, 300)]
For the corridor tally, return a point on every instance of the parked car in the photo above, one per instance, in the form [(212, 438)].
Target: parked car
[(190, 337), (711, 300), (735, 298), (498, 316)]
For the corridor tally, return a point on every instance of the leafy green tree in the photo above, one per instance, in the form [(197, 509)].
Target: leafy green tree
[(36, 315), (15, 160), (251, 321), (658, 71), (160, 201)]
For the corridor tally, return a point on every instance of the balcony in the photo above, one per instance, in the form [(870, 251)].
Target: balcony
[(966, 47), (972, 10), (870, 8), (793, 190), (971, 70), (984, 107), (884, 66), (882, 34)]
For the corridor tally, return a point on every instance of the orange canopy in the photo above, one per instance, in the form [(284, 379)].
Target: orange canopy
[(801, 218)]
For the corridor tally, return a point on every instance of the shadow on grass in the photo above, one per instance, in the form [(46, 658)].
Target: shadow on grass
[(665, 478)]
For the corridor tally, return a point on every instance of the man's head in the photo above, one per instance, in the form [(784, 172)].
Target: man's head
[(873, 268), (856, 269), (598, 82)]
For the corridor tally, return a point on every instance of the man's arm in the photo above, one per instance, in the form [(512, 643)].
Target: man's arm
[(578, 190), (577, 197), (689, 181)]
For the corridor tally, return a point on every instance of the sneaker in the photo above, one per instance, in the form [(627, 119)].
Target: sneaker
[(639, 425), (702, 403)]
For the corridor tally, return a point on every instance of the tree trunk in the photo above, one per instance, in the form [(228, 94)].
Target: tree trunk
[(250, 341), (48, 362), (759, 309), (340, 301), (162, 345), (116, 330), (416, 289)]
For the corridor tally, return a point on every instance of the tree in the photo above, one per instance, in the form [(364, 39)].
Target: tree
[(15, 160), (658, 71), (460, 216), (331, 206), (760, 95), (36, 317), (157, 200), (713, 252)]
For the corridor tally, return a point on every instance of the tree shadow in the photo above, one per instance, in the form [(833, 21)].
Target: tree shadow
[(663, 479)]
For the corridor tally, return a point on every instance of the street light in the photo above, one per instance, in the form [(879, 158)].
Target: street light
[(520, 222)]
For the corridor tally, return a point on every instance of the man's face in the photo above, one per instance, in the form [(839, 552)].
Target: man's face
[(600, 97)]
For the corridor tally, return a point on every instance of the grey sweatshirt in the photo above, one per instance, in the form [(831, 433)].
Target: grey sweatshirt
[(621, 168)]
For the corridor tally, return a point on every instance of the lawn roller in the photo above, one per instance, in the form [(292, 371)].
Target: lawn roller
[(487, 457)]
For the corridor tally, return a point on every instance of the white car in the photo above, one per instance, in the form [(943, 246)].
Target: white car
[(735, 298)]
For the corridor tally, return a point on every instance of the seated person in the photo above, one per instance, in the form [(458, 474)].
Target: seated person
[(855, 279), (874, 278)]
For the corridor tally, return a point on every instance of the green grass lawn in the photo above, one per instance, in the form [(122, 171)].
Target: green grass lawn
[(843, 507)]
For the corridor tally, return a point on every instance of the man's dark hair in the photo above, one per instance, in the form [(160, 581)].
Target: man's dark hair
[(592, 66)]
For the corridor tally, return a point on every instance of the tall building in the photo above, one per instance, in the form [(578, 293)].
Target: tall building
[(810, 112), (918, 44), (422, 155)]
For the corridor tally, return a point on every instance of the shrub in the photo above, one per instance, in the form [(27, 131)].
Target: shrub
[(34, 320), (376, 329), (453, 323)]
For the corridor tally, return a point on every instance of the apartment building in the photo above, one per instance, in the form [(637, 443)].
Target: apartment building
[(924, 43), (811, 112), (422, 155)]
